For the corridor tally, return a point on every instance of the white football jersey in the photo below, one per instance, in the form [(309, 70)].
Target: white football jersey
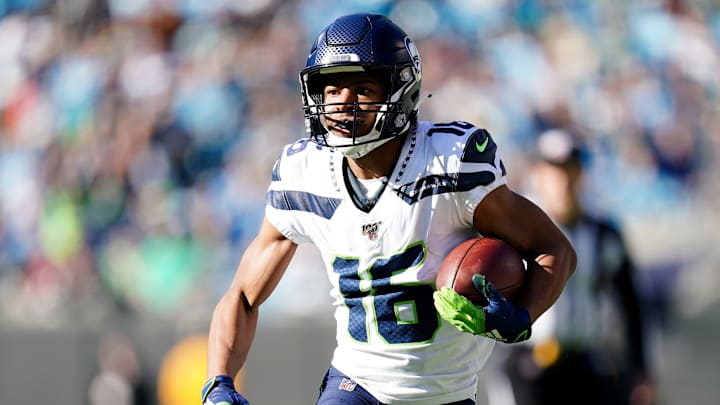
[(382, 263)]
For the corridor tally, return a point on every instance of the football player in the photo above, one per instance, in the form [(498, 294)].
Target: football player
[(385, 197)]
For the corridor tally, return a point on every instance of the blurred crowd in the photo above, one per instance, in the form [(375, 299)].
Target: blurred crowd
[(137, 137)]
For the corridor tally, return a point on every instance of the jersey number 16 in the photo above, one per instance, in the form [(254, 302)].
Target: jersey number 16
[(403, 313)]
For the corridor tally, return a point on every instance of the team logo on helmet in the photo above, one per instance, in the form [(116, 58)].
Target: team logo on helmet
[(414, 54)]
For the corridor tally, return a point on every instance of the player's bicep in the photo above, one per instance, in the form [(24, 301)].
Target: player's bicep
[(511, 217), (263, 264)]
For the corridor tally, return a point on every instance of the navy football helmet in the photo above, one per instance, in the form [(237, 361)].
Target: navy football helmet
[(363, 43)]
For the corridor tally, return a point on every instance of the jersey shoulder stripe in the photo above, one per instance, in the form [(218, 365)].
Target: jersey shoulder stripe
[(295, 185), (288, 200), (440, 184)]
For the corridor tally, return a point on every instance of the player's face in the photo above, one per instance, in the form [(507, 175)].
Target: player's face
[(352, 99)]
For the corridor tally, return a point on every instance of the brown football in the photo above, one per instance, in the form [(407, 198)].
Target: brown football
[(498, 261)]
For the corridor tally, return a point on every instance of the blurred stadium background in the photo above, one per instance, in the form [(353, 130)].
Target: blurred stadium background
[(137, 138)]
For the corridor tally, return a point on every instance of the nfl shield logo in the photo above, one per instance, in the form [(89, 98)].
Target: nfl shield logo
[(347, 384)]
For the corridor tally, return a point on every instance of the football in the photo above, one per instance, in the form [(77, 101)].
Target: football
[(498, 261)]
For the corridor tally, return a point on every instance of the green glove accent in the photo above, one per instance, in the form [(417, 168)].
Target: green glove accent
[(500, 319), (459, 311)]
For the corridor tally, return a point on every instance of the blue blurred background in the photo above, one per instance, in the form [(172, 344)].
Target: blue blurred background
[(137, 139)]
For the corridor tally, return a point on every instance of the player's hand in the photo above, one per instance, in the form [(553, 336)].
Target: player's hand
[(220, 390), (500, 319)]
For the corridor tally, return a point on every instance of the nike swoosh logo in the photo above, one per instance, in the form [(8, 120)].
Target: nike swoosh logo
[(481, 147)]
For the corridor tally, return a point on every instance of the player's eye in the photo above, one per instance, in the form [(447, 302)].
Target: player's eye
[(370, 90), (331, 91)]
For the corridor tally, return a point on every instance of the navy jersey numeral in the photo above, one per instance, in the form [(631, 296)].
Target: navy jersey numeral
[(404, 313), (300, 146), (455, 127)]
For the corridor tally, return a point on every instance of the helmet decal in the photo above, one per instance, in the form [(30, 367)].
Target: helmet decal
[(414, 54)]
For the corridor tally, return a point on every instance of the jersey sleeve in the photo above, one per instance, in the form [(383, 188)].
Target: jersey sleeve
[(279, 201), (480, 171)]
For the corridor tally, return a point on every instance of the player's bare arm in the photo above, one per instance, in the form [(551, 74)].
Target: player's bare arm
[(551, 258), (235, 317)]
